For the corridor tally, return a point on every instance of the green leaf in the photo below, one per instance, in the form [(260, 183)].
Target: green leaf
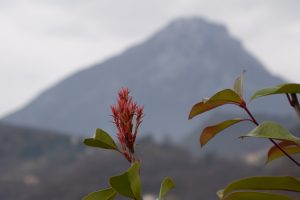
[(279, 89), (106, 194), (211, 131), (128, 184), (288, 146), (227, 96), (272, 130), (256, 196), (101, 140), (165, 187), (283, 183), (238, 84)]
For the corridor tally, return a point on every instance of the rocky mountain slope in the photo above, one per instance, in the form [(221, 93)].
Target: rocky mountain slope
[(186, 60)]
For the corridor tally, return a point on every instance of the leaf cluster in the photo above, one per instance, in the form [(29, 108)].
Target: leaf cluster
[(127, 184), (284, 142)]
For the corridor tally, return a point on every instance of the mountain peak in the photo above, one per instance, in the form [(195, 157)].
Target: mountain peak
[(189, 27), (185, 61), (194, 24)]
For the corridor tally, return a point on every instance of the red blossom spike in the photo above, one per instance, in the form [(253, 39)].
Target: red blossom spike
[(127, 117)]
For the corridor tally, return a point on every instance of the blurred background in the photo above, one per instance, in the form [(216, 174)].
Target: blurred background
[(63, 62)]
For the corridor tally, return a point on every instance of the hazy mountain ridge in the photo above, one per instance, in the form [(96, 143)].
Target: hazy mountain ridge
[(58, 168), (187, 60)]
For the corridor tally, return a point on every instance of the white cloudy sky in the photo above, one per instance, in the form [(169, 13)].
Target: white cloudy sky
[(43, 41)]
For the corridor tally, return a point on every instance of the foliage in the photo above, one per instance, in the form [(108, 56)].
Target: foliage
[(127, 116), (285, 143), (101, 140), (255, 185), (166, 185)]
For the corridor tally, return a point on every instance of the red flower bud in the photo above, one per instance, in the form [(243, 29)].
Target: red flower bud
[(127, 117)]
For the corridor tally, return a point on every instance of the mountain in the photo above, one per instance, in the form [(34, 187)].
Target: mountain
[(38, 164), (186, 60)]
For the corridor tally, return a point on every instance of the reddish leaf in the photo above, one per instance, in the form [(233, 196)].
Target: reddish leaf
[(211, 131), (227, 96), (288, 146)]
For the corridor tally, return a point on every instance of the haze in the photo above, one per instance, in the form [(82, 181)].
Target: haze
[(43, 41)]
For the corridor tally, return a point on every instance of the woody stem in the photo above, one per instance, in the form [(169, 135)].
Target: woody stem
[(275, 143)]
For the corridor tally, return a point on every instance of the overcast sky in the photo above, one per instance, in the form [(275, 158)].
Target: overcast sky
[(43, 41)]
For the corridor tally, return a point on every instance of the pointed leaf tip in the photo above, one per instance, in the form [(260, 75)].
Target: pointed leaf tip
[(238, 84), (211, 131), (106, 194), (101, 140), (166, 185), (272, 130), (290, 88), (128, 184)]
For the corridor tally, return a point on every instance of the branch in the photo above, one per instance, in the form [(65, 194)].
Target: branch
[(294, 103), (273, 141)]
